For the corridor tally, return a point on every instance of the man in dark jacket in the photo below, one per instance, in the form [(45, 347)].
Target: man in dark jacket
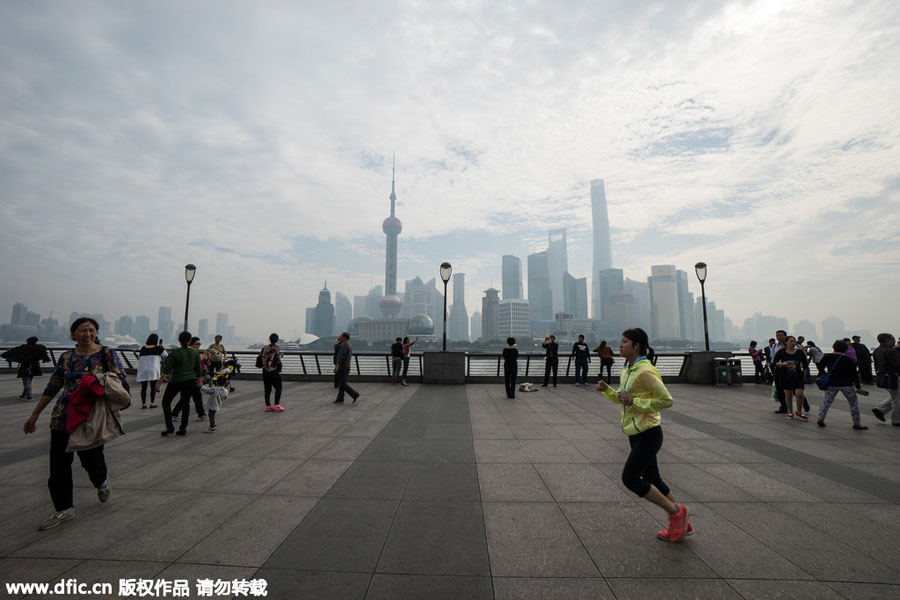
[(30, 355), (396, 360), (582, 355), (342, 368), (863, 360), (887, 361), (551, 362)]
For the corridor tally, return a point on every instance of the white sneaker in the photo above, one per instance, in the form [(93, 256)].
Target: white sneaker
[(57, 518), (103, 492), (577, 384)]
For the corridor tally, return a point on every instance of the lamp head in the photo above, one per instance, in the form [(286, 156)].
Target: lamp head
[(446, 270), (189, 272), (700, 268)]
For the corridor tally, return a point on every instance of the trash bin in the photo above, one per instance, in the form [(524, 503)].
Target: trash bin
[(722, 371), (735, 375)]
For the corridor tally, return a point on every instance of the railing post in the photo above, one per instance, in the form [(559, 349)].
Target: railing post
[(318, 366), (527, 363), (302, 364), (356, 358)]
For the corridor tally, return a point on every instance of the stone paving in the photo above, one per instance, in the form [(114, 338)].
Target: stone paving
[(458, 492)]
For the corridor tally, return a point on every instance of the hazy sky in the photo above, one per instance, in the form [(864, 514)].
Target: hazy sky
[(255, 140)]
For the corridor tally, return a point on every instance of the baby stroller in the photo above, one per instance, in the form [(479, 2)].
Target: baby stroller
[(228, 370)]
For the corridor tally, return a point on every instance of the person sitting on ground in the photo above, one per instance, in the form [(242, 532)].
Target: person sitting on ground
[(843, 378)]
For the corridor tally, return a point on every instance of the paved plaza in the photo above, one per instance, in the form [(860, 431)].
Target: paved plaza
[(446, 492)]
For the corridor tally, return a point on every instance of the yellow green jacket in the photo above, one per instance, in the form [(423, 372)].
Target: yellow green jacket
[(645, 384)]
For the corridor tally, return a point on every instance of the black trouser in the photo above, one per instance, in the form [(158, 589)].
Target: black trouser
[(144, 386), (509, 380), (405, 366), (758, 371), (212, 419), (581, 366), (865, 371), (641, 469), (60, 481), (197, 397), (342, 375), (551, 364), (212, 368), (185, 388), (779, 388), (607, 364), (272, 380), (396, 365)]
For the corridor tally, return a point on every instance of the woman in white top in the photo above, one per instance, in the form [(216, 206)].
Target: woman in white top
[(150, 360)]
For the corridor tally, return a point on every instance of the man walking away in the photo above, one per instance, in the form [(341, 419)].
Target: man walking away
[(551, 362), (582, 355), (887, 367), (342, 368), (863, 360), (780, 337), (396, 360), (270, 356)]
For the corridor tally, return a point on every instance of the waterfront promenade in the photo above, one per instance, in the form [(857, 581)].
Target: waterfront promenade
[(456, 492)]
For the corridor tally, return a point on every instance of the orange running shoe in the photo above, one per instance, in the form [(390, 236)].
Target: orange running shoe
[(663, 534)]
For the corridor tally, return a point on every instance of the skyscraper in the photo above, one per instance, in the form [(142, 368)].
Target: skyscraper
[(343, 312), (664, 302), (575, 295), (391, 303), (540, 297), (475, 329), (323, 321), (141, 328), (202, 329), (640, 293), (685, 305), (164, 323), (512, 277), (602, 246), (490, 325), (18, 314), (606, 282), (558, 263), (458, 320), (222, 324), (513, 319)]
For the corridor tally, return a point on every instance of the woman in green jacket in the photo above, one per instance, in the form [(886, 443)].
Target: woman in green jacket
[(642, 395)]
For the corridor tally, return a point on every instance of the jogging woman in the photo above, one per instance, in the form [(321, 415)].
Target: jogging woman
[(642, 395)]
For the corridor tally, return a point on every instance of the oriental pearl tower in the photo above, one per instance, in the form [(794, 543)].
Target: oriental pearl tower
[(390, 304)]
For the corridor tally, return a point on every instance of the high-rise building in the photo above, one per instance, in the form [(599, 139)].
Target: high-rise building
[(222, 324), (165, 327), (18, 314), (832, 329), (558, 263), (359, 306), (490, 325), (640, 292), (618, 308), (373, 301), (602, 246), (391, 303), (141, 328), (32, 318), (458, 320), (606, 282), (540, 296), (437, 306), (512, 277), (124, 325), (203, 330), (323, 319), (310, 326), (575, 296), (685, 305), (664, 302), (759, 327), (806, 328), (476, 325), (230, 334), (716, 318), (343, 312), (514, 320)]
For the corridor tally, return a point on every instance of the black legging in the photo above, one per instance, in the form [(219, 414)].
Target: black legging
[(607, 363), (60, 481), (185, 389), (272, 380), (641, 469), (144, 385)]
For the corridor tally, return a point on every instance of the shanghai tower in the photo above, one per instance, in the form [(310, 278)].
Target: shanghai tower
[(390, 304), (602, 244)]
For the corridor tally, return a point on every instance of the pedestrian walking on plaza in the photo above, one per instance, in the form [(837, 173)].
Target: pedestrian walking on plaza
[(196, 394), (183, 365), (551, 361), (775, 346), (215, 356), (863, 360), (150, 357), (582, 355), (87, 358), (406, 346), (843, 378), (887, 370), (334, 358), (814, 354), (216, 395), (510, 367), (851, 351), (396, 360), (29, 355), (342, 369), (270, 359), (605, 353), (756, 356), (642, 395), (792, 362)]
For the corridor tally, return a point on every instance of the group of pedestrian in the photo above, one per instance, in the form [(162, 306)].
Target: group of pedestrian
[(400, 351)]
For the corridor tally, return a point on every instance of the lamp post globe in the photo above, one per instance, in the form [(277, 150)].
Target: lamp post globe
[(700, 269), (446, 270), (190, 270)]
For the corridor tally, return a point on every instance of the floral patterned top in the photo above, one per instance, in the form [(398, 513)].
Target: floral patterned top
[(67, 376)]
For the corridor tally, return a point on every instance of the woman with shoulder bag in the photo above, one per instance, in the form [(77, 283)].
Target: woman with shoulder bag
[(887, 369)]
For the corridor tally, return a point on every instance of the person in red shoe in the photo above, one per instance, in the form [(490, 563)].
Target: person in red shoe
[(642, 395)]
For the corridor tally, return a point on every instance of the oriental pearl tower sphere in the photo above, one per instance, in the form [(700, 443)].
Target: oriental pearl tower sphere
[(390, 304)]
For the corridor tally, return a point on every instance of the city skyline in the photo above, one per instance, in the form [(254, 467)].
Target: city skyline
[(725, 132)]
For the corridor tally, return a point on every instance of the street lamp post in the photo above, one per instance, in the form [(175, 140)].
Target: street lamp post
[(189, 272), (446, 270), (700, 268)]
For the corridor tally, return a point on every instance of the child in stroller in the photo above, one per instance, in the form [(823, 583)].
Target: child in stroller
[(228, 370)]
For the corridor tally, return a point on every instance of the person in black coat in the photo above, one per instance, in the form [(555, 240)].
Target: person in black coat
[(551, 362), (863, 360), (29, 355), (510, 367)]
